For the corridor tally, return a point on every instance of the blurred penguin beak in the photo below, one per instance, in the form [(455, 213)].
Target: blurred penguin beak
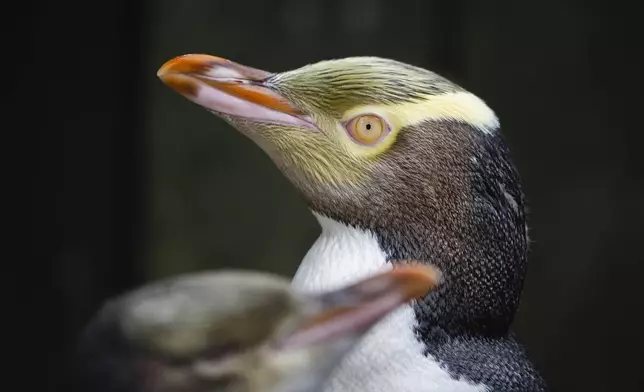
[(353, 310)]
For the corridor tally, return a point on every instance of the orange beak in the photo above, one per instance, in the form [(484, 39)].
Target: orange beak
[(353, 310), (228, 88)]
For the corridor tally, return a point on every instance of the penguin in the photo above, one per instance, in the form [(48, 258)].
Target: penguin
[(395, 162), (235, 331)]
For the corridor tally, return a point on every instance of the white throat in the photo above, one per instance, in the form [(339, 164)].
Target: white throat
[(389, 358)]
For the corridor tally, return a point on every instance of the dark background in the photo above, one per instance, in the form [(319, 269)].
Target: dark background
[(131, 182)]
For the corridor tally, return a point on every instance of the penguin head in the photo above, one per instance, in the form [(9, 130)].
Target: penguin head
[(349, 132), (235, 331)]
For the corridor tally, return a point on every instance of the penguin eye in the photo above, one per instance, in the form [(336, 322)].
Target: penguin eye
[(367, 129)]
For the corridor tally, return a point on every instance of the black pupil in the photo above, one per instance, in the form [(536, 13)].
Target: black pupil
[(368, 126)]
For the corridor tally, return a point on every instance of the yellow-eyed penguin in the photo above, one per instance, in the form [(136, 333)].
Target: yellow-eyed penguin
[(395, 162)]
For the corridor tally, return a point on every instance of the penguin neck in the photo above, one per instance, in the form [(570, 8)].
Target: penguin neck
[(391, 356), (478, 295)]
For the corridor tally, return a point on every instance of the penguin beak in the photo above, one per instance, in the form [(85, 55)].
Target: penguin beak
[(229, 88), (352, 311)]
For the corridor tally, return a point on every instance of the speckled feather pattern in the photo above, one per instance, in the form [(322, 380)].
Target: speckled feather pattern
[(500, 364)]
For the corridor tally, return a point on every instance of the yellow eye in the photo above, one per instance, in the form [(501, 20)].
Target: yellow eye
[(367, 129)]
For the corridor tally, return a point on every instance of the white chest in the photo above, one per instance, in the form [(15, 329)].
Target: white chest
[(389, 358)]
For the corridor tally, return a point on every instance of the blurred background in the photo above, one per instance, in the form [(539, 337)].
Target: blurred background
[(131, 182)]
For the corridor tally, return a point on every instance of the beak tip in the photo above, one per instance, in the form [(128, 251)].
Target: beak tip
[(168, 67)]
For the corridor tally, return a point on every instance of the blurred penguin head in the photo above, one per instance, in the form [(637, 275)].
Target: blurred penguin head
[(235, 331)]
